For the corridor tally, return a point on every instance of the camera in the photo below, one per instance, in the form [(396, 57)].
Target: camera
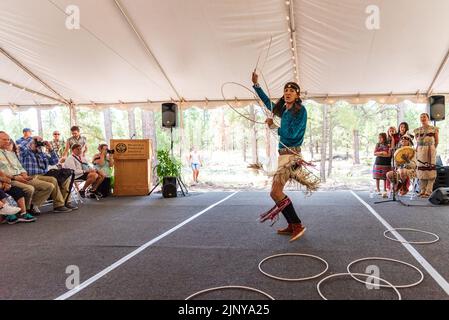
[(110, 151), (39, 143)]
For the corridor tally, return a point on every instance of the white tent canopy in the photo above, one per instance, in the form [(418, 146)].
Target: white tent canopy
[(134, 51)]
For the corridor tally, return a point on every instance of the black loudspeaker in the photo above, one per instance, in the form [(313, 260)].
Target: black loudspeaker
[(442, 179), (169, 187), (437, 108), (440, 196), (169, 114)]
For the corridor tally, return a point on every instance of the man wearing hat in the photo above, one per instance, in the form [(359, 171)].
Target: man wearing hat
[(27, 136), (57, 143)]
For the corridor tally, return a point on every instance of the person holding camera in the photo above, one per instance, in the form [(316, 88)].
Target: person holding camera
[(83, 171), (36, 162), (104, 160)]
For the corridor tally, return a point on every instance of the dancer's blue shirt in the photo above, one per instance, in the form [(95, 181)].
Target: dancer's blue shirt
[(293, 126)]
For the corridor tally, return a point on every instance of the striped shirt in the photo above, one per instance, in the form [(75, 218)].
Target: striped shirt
[(36, 162)]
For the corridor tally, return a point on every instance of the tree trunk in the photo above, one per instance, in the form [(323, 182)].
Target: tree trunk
[(400, 113), (181, 130), (356, 146), (132, 124), (223, 130), (149, 132), (323, 144), (244, 146), (331, 149), (203, 136), (267, 142), (311, 141), (40, 130), (252, 115), (107, 125), (273, 154)]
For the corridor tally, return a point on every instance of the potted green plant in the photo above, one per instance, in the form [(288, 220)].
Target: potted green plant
[(168, 170)]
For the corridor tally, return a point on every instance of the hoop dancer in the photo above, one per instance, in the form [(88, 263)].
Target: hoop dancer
[(291, 166)]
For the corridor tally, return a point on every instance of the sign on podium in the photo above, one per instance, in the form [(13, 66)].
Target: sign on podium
[(132, 169)]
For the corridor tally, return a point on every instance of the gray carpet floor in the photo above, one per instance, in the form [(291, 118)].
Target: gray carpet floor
[(221, 247)]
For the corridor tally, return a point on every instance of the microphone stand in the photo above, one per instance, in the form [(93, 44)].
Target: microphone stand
[(396, 177)]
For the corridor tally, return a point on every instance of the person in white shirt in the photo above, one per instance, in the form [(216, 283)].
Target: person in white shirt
[(79, 165), (195, 163)]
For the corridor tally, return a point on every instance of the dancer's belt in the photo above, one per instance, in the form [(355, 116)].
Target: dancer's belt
[(290, 150)]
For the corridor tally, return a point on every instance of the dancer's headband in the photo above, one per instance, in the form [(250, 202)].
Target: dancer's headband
[(294, 86)]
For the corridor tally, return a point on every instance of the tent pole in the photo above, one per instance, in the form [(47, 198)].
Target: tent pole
[(15, 85), (31, 74), (437, 75), (72, 111)]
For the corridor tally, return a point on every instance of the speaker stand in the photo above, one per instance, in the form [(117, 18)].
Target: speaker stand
[(181, 185), (157, 184)]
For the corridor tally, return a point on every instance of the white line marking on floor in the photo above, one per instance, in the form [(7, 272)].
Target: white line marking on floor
[(424, 263), (104, 272)]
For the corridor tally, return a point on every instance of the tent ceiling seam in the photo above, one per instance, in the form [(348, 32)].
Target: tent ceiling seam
[(327, 98), (9, 83), (292, 30), (145, 45)]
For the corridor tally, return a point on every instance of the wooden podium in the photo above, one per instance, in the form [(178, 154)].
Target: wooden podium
[(132, 169)]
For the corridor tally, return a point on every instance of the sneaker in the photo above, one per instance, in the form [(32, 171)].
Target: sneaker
[(98, 193), (34, 211), (27, 218), (298, 231), (11, 219), (62, 209), (287, 231), (9, 210), (82, 193), (71, 206)]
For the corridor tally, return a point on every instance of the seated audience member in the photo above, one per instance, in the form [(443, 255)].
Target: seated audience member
[(36, 162), (27, 136), (83, 171), (405, 172), (76, 138), (13, 148), (5, 208), (36, 191), (18, 195), (104, 162)]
